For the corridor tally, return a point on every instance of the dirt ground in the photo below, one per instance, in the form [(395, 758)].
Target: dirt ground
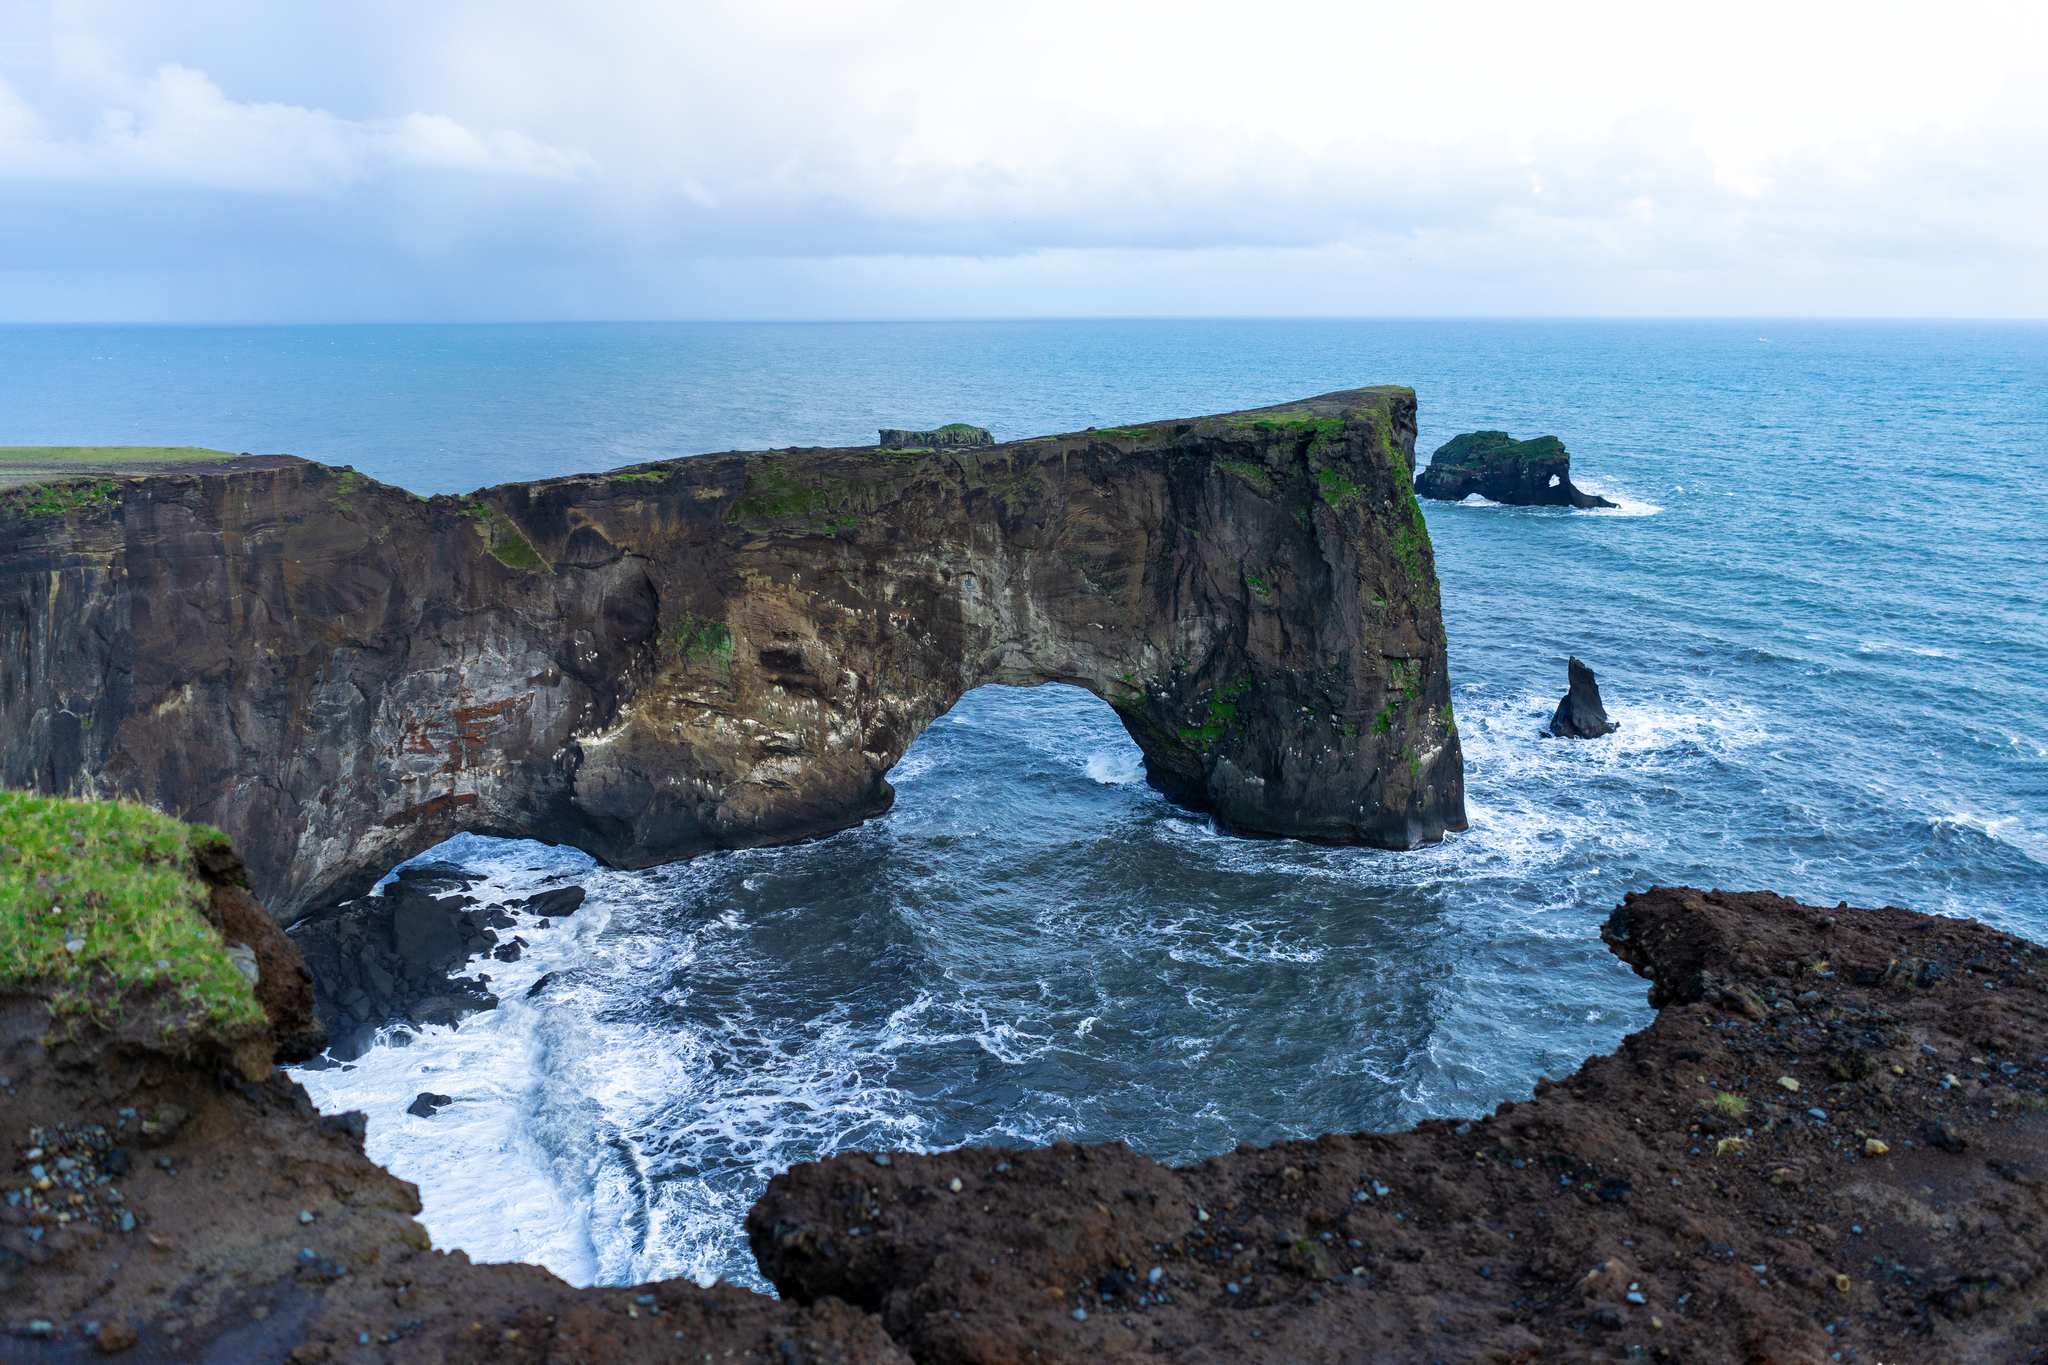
[(1677, 1200)]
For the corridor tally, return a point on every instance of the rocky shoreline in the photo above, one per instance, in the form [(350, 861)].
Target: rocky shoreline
[(1828, 1145)]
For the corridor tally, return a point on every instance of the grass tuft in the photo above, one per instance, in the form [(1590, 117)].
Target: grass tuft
[(1726, 1105), (99, 897)]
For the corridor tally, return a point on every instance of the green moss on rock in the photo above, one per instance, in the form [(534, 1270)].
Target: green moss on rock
[(98, 898)]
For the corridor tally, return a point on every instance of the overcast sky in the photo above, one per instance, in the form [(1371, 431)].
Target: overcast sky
[(394, 159)]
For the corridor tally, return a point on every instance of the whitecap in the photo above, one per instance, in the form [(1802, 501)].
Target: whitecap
[(1115, 769)]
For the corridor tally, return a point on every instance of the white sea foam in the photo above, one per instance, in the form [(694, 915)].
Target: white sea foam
[(2011, 830), (1630, 506), (1895, 647), (1115, 768)]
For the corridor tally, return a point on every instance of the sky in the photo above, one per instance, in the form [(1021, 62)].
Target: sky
[(243, 160)]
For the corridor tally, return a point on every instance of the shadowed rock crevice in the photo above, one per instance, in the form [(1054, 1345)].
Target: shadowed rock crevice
[(730, 651)]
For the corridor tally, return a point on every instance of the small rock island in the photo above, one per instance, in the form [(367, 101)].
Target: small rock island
[(1493, 464)]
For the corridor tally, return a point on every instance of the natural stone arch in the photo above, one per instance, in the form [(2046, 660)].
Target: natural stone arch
[(732, 650)]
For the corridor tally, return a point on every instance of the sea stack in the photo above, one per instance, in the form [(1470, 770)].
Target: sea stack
[(1579, 714), (1493, 464)]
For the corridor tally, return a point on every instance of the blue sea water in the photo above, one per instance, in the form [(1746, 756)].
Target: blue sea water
[(1818, 616)]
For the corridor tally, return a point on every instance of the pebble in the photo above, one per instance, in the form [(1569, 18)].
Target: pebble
[(305, 1215), (881, 1158), (954, 1185), (1155, 1275), (1789, 1083), (1079, 1315), (1820, 1114)]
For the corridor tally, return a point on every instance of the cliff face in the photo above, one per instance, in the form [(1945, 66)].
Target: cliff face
[(731, 650)]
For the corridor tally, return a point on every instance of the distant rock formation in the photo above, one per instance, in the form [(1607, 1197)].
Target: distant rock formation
[(1579, 714), (952, 436), (1497, 467)]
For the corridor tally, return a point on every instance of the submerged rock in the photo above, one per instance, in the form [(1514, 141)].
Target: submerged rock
[(1579, 714), (428, 1104), (1493, 464)]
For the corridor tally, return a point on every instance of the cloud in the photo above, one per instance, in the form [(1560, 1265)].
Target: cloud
[(900, 158), (179, 129)]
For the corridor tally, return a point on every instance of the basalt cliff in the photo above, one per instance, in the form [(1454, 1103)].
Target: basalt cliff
[(730, 650)]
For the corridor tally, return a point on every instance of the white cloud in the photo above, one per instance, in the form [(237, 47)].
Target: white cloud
[(805, 158), (178, 128)]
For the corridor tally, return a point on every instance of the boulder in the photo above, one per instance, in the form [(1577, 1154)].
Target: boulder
[(1493, 464), (1579, 714)]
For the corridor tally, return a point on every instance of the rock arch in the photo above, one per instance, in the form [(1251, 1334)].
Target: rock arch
[(732, 650)]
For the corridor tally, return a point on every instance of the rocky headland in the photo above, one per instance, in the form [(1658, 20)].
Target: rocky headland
[(1829, 1144), (1493, 464), (728, 651)]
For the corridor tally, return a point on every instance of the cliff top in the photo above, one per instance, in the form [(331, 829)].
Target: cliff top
[(21, 465), (98, 898)]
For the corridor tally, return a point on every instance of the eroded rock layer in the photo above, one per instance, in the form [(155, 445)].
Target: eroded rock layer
[(731, 650)]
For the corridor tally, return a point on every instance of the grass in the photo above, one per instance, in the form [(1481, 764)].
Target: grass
[(36, 464), (1726, 1105), (98, 898)]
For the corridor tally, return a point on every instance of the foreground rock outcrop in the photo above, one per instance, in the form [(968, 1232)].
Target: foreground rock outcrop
[(1579, 714), (1830, 1144), (731, 650), (1493, 464), (169, 1196)]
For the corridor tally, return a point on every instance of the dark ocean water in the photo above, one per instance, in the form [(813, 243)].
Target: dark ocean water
[(1818, 617)]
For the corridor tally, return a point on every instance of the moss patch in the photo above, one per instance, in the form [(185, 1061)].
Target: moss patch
[(699, 640), (504, 540), (58, 499), (99, 898)]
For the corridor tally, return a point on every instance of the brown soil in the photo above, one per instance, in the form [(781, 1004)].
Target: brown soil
[(1528, 1235)]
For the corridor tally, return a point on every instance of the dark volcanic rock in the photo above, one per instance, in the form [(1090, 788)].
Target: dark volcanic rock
[(388, 958), (730, 651), (563, 900), (1579, 714), (1493, 464), (428, 1104), (1627, 1206)]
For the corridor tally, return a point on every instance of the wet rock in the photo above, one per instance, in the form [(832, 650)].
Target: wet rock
[(1579, 714), (563, 900), (428, 1104), (389, 958), (1499, 468)]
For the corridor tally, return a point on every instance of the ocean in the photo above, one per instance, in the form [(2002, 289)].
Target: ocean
[(1817, 615)]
